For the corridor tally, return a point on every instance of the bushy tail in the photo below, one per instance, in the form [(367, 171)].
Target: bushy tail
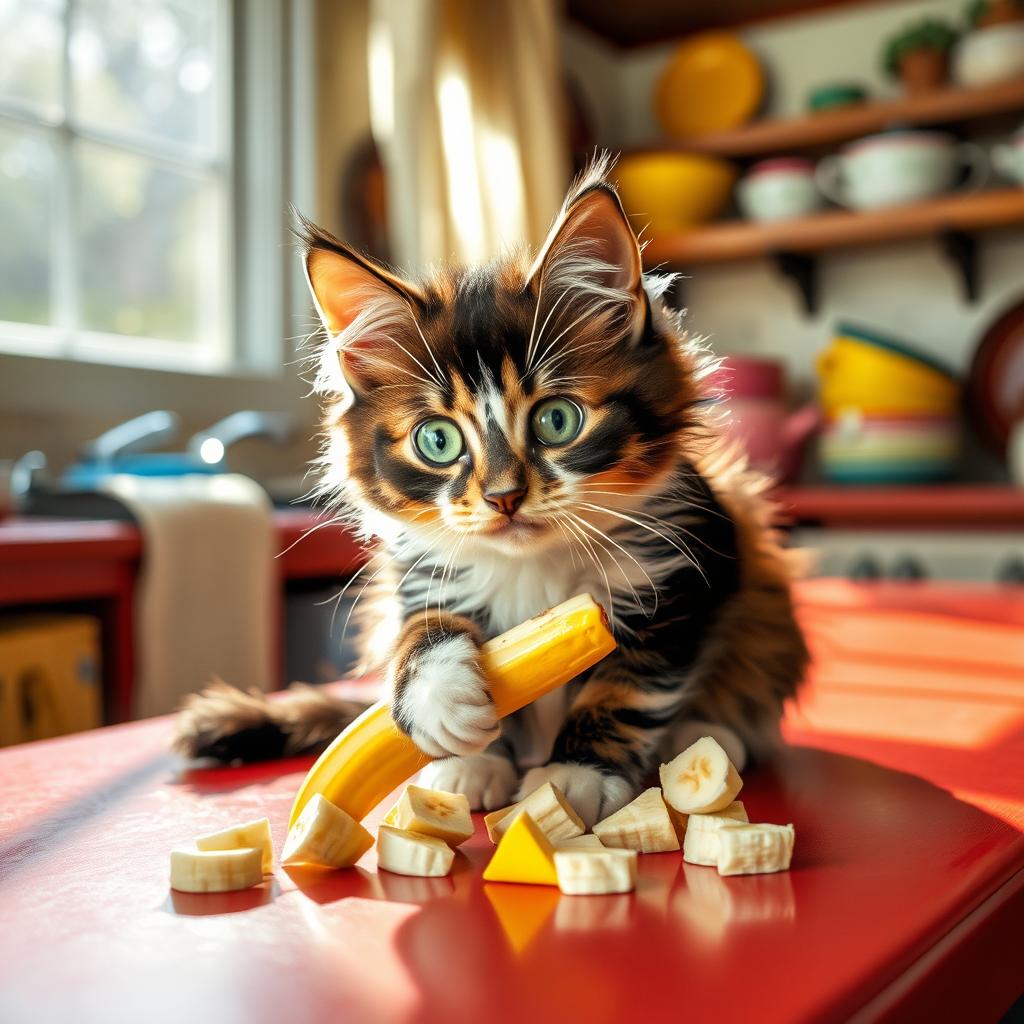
[(229, 725)]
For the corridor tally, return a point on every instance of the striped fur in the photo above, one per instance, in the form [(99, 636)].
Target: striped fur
[(644, 509)]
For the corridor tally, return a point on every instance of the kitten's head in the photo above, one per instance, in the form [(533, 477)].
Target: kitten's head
[(492, 406)]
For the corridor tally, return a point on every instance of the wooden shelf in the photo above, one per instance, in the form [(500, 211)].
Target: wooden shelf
[(945, 107), (741, 240)]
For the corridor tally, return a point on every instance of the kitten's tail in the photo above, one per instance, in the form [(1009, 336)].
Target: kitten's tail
[(229, 725)]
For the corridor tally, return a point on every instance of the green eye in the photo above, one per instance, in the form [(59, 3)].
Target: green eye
[(556, 421), (439, 442)]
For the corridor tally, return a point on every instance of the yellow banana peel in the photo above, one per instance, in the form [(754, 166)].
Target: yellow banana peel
[(373, 756)]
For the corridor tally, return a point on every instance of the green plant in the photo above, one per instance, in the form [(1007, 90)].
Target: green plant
[(976, 10), (929, 34)]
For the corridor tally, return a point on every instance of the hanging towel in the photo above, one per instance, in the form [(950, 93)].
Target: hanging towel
[(206, 600)]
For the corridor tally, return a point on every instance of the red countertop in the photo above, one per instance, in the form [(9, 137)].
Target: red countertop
[(904, 777)]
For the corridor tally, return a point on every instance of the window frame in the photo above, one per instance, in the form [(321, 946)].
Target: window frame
[(250, 163)]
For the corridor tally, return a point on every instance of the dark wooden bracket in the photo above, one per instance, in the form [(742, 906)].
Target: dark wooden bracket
[(802, 270), (961, 250)]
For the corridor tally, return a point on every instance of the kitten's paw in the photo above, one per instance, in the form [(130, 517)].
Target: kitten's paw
[(686, 732), (592, 794), (487, 780), (441, 699)]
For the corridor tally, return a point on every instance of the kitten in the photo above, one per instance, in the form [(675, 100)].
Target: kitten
[(510, 436)]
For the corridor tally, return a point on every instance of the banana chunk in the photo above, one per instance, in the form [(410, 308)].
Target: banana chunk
[(411, 853), (241, 837), (595, 872), (325, 835), (754, 849), (700, 845), (432, 812), (643, 825), (216, 870), (585, 842), (550, 811), (701, 780)]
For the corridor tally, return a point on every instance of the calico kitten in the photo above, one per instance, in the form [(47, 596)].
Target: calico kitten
[(507, 437)]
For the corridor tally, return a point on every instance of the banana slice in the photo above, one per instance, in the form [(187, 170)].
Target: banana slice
[(410, 853), (586, 842), (325, 835), (643, 825), (700, 845), (432, 812), (216, 870), (240, 837), (754, 849), (595, 872), (701, 780), (550, 811)]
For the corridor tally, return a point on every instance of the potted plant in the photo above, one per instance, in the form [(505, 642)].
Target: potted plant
[(985, 13), (919, 54)]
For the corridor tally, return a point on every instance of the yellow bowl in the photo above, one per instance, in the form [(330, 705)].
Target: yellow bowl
[(674, 191)]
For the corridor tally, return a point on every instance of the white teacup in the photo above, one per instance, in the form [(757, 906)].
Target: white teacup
[(779, 189), (1009, 158), (899, 167)]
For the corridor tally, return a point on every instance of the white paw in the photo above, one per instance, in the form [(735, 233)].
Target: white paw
[(685, 733), (445, 703), (592, 794), (487, 780)]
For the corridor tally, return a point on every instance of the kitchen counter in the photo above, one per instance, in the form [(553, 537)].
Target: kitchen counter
[(904, 777)]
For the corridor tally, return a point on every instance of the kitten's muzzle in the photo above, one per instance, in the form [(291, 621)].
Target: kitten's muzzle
[(506, 502)]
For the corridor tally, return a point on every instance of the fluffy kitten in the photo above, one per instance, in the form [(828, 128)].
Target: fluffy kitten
[(510, 436)]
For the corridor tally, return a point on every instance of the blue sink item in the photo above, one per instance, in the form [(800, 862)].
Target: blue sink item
[(87, 475)]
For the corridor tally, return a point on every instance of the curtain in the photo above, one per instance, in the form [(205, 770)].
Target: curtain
[(467, 109)]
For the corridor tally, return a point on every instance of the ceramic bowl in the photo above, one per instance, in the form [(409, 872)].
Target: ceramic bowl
[(778, 190), (989, 55), (1008, 159), (674, 191)]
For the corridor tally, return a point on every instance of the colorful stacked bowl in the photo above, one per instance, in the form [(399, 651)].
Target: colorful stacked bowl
[(890, 411)]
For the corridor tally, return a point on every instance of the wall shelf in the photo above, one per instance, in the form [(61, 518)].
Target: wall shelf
[(946, 107)]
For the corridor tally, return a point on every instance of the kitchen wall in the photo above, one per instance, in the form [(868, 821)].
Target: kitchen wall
[(907, 288)]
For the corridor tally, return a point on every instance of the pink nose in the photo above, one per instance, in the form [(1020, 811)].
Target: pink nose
[(505, 502)]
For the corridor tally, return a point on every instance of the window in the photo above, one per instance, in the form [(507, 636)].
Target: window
[(116, 181)]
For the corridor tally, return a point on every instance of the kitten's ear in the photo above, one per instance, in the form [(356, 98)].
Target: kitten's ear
[(593, 248), (353, 292)]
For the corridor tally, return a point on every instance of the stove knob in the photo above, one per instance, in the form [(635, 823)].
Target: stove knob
[(1011, 571), (864, 569), (908, 568)]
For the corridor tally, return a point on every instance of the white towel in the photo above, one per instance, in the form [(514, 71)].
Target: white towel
[(206, 601)]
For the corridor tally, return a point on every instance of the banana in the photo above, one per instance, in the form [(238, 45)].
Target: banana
[(587, 842), (410, 853), (701, 780), (216, 870), (372, 756), (550, 811), (595, 872), (432, 812), (754, 849), (252, 834), (325, 835), (700, 845), (643, 825)]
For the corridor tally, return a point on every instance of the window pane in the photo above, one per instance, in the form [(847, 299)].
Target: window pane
[(147, 67), (31, 43), (151, 248), (26, 202)]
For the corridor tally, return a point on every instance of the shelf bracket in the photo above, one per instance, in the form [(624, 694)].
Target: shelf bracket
[(802, 270), (962, 251)]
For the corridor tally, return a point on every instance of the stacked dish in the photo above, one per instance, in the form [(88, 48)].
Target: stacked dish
[(890, 412)]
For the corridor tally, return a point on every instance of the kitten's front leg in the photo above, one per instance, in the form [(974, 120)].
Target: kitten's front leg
[(439, 696)]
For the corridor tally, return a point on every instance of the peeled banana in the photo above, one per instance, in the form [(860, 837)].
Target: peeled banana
[(195, 870), (549, 809), (643, 825), (700, 846), (754, 849), (252, 834), (410, 853), (325, 835), (595, 872), (432, 812), (700, 780), (372, 756)]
